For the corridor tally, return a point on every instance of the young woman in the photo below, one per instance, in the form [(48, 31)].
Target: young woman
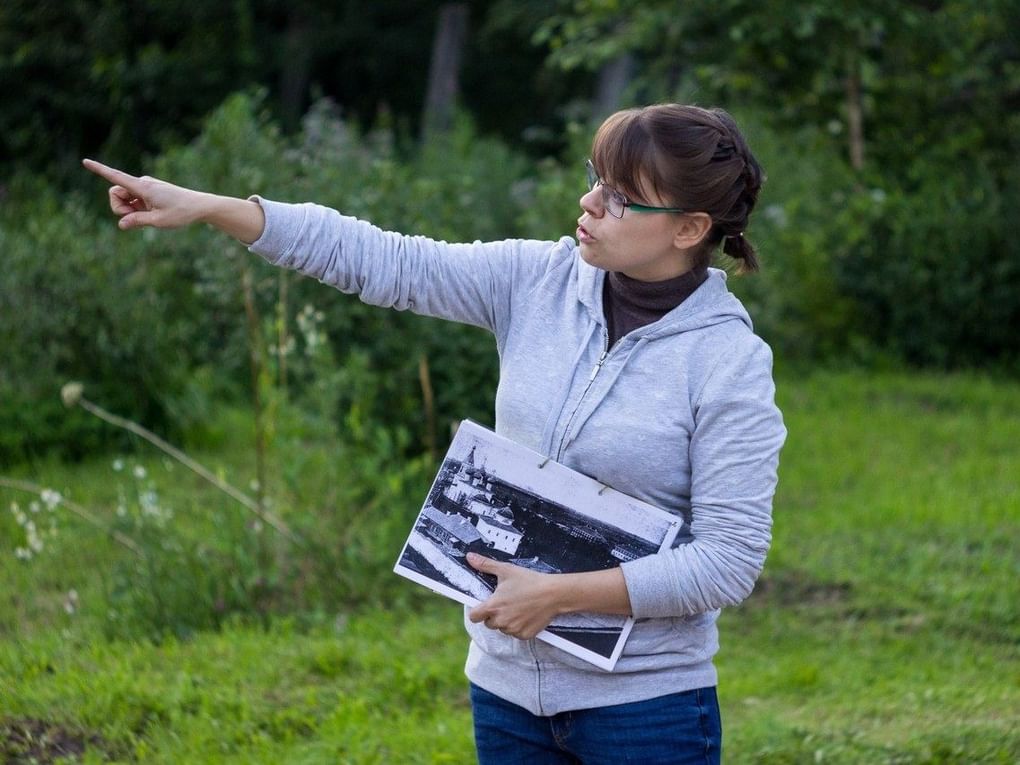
[(622, 355)]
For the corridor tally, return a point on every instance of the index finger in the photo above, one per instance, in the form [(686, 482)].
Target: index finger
[(109, 173), (480, 613)]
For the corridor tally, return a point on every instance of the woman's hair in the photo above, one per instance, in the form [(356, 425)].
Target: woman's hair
[(691, 158)]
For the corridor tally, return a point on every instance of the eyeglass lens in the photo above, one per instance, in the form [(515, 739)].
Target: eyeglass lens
[(611, 200)]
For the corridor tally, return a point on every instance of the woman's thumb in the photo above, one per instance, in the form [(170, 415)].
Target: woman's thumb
[(136, 220), (481, 563)]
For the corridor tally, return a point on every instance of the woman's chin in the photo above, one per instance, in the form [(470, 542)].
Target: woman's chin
[(587, 254)]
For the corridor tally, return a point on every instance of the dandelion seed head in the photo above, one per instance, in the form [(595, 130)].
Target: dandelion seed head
[(70, 394)]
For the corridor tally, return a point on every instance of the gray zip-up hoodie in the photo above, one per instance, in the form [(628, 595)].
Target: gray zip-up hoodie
[(679, 413)]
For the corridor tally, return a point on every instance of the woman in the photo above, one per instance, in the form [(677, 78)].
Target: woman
[(623, 356)]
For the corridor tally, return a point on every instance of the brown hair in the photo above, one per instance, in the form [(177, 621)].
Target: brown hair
[(691, 158)]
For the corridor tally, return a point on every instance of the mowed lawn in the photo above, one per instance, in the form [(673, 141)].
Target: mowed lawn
[(885, 628)]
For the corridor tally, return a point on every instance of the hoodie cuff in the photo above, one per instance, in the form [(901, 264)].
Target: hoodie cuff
[(648, 587), (283, 222)]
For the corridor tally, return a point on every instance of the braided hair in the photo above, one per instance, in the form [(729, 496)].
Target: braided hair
[(693, 158)]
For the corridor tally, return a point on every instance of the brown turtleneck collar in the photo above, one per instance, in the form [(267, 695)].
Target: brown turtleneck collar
[(629, 304)]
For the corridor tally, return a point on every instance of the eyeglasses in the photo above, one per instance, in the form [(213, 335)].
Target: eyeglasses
[(614, 202)]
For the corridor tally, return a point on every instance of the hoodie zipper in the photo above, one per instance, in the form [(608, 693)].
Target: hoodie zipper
[(591, 379)]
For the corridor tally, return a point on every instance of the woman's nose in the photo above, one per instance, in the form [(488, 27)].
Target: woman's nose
[(591, 203)]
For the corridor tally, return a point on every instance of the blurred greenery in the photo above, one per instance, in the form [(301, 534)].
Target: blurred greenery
[(883, 629), (884, 238), (889, 132)]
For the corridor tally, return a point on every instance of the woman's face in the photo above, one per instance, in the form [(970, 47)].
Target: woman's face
[(642, 245)]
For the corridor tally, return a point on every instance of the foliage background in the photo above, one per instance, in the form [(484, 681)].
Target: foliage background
[(889, 131)]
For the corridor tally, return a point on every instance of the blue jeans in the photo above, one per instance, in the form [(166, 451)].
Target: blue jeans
[(677, 729)]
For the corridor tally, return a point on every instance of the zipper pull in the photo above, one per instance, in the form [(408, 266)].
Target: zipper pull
[(598, 366)]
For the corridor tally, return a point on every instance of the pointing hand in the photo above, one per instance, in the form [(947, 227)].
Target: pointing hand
[(144, 201)]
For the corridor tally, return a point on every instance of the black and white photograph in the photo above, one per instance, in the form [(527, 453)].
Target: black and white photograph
[(499, 499)]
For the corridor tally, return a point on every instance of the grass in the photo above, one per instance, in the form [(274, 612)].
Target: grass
[(885, 628)]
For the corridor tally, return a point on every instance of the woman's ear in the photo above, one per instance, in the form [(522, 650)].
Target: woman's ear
[(691, 229)]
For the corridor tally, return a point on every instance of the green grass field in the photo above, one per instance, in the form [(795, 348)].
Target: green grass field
[(885, 628)]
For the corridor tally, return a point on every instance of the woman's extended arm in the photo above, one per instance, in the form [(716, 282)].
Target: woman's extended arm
[(149, 201)]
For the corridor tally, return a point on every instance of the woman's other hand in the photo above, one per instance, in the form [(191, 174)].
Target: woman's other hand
[(523, 603)]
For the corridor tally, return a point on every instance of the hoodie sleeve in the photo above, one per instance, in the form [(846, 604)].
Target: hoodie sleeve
[(469, 283), (734, 453)]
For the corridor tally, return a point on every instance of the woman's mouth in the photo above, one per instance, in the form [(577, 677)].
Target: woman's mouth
[(583, 236)]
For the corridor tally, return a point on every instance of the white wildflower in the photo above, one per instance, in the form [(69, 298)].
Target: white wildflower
[(50, 498), (139, 472), (34, 506), (118, 464), (776, 214), (149, 501), (22, 554), (71, 601)]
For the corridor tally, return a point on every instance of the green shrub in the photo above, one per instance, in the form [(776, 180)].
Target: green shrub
[(137, 317), (931, 265), (81, 303)]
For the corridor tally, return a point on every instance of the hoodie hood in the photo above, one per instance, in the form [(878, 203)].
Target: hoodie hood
[(712, 303)]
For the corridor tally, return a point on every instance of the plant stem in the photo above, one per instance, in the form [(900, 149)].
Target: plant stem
[(425, 378), (81, 512), (189, 463), (255, 358)]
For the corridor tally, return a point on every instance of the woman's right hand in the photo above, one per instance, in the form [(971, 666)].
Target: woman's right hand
[(148, 201)]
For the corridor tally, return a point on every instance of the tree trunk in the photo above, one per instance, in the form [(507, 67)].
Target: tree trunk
[(614, 78), (295, 69), (854, 111), (444, 70)]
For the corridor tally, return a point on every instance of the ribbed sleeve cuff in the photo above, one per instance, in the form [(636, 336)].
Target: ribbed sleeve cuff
[(283, 221), (648, 588)]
